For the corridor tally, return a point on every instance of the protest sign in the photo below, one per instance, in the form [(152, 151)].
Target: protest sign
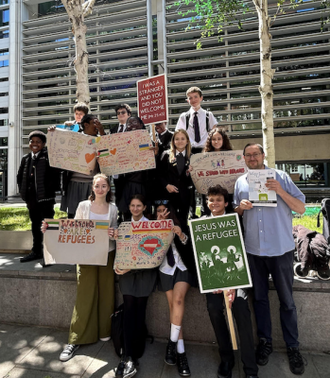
[(143, 245), (76, 241), (214, 168), (259, 195), (152, 99), (220, 253), (118, 153), (125, 152), (73, 127), (72, 151)]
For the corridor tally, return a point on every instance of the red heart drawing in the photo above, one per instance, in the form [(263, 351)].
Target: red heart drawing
[(89, 157), (150, 245), (113, 152), (87, 231), (65, 230)]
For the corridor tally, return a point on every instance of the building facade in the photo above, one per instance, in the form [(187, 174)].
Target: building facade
[(132, 39)]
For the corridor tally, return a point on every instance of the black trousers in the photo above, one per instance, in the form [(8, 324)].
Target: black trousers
[(241, 312), (135, 330), (38, 211)]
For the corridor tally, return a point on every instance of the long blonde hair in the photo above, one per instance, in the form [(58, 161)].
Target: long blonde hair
[(173, 148)]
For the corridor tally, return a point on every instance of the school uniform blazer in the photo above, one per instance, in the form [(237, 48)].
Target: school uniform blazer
[(186, 251), (170, 175), (83, 212)]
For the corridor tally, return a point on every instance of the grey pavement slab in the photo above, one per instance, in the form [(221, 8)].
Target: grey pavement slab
[(32, 352)]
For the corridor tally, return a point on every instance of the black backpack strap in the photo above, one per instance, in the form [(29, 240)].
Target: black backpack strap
[(207, 121)]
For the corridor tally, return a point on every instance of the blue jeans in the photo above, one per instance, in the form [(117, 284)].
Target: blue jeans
[(281, 269)]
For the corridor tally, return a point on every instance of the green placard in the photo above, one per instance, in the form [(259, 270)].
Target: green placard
[(220, 253)]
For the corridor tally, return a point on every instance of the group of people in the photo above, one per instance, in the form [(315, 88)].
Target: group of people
[(267, 235)]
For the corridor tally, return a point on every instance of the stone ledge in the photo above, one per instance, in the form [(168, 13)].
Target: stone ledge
[(45, 297)]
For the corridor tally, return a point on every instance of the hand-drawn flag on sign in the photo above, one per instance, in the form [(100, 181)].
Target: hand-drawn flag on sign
[(143, 245)]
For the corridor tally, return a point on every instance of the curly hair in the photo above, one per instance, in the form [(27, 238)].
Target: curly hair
[(106, 178), (226, 145), (173, 148), (218, 190)]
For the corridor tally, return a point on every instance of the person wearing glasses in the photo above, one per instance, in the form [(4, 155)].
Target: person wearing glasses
[(123, 112), (269, 245), (177, 274)]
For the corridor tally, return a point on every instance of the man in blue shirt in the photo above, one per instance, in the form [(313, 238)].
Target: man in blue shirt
[(269, 244)]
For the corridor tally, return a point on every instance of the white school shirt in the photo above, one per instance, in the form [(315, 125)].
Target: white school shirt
[(201, 114), (167, 269)]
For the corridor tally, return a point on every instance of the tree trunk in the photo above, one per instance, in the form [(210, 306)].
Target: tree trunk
[(266, 86), (75, 12)]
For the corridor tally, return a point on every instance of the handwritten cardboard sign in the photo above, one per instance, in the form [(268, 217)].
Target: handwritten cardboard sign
[(220, 255), (214, 168), (144, 244), (152, 99), (72, 151), (125, 152), (76, 241), (259, 194), (118, 153)]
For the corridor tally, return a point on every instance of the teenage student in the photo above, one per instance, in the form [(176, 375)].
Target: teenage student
[(136, 286), (37, 182), (176, 274), (217, 201), (79, 111), (77, 186), (175, 176), (197, 122), (95, 284), (217, 140)]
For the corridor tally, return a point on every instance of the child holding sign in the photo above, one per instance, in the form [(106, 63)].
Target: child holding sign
[(175, 174), (95, 284), (176, 274), (217, 201), (217, 141), (136, 286)]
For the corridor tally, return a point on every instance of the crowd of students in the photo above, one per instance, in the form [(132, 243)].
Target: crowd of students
[(165, 193)]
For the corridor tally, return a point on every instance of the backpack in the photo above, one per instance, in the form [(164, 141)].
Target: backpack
[(117, 334), (207, 120), (325, 210)]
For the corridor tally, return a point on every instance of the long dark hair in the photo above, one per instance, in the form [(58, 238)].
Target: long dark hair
[(139, 197), (106, 178), (226, 145), (172, 214)]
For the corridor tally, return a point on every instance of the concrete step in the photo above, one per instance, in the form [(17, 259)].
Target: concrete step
[(33, 295)]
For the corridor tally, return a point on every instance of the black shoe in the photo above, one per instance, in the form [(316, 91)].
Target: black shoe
[(126, 368), (264, 349), (183, 367), (225, 369), (30, 257), (296, 362), (170, 356), (68, 352)]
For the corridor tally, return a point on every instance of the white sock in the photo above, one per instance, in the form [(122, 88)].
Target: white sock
[(175, 331), (180, 346)]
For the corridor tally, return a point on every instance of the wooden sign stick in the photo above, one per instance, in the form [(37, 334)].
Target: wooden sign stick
[(153, 132), (230, 321)]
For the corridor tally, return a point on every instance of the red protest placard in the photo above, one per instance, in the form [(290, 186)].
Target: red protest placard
[(152, 99)]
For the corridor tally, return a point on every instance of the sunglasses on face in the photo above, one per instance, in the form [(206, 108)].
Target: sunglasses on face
[(122, 112), (161, 202)]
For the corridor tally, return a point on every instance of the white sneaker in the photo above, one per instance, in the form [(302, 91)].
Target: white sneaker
[(68, 352), (105, 338)]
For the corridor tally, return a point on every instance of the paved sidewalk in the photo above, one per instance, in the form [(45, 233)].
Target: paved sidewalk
[(32, 352)]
